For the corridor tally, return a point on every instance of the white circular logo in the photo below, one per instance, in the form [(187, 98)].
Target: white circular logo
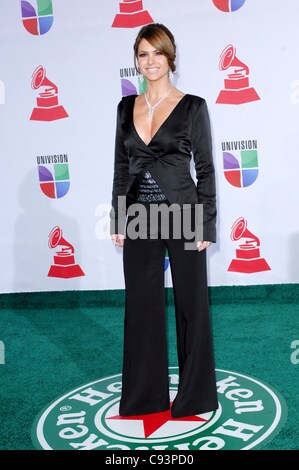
[(250, 414)]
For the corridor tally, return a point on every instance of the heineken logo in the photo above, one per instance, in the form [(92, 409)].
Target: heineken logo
[(250, 414)]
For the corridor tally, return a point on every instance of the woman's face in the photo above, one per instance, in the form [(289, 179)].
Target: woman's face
[(152, 63)]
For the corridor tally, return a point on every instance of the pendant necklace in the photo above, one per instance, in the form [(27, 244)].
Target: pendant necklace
[(151, 108)]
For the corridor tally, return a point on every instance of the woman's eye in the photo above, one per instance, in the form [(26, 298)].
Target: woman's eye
[(141, 55), (159, 53)]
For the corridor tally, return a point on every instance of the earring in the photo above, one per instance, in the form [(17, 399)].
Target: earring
[(170, 75), (141, 78)]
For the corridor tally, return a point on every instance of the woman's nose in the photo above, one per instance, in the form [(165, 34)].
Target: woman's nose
[(150, 59)]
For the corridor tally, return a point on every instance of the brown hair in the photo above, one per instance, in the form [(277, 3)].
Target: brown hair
[(159, 37)]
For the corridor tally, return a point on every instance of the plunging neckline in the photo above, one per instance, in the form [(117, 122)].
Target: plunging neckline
[(160, 127)]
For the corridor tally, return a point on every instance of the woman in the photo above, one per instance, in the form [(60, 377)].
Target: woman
[(157, 134)]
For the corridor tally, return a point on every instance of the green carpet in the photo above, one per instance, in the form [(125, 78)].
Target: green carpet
[(57, 341)]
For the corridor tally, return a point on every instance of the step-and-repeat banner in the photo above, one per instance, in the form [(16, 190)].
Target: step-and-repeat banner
[(64, 66)]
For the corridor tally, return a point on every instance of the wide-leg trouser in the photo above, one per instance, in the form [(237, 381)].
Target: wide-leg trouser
[(145, 383)]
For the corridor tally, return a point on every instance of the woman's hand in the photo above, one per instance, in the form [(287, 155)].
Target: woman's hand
[(118, 239), (203, 245)]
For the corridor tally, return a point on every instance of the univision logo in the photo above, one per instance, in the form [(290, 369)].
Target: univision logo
[(228, 5), (132, 82), (53, 175), (240, 170), (39, 22)]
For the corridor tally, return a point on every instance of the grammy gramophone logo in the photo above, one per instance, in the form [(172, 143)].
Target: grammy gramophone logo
[(236, 84), (131, 14), (248, 259), (47, 106), (64, 265)]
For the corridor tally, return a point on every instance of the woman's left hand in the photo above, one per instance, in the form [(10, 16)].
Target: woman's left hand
[(203, 245)]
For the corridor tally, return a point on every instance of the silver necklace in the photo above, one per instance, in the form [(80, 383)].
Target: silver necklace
[(151, 108)]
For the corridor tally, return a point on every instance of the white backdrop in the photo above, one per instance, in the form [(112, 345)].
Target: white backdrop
[(88, 60)]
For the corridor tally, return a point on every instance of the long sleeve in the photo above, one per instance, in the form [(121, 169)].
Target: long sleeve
[(120, 179), (205, 172)]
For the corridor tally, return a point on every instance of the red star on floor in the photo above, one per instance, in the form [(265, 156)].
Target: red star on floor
[(154, 421)]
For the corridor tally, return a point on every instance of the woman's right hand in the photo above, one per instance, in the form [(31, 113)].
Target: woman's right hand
[(118, 239)]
